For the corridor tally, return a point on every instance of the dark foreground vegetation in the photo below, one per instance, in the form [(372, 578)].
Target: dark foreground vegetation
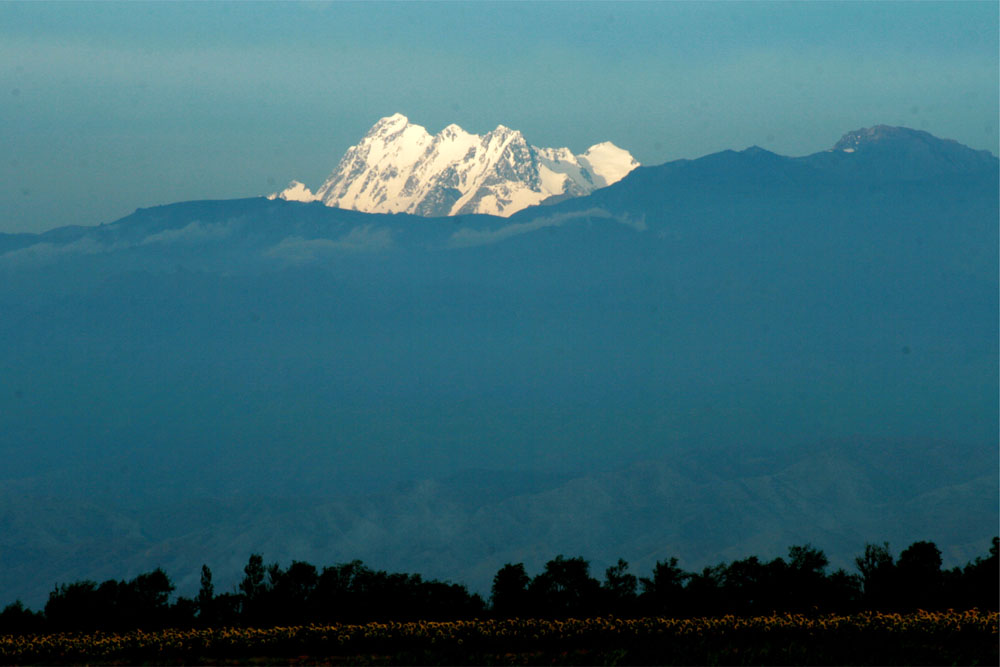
[(872, 638), (302, 594)]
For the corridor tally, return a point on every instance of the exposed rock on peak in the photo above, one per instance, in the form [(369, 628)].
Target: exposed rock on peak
[(399, 167), (908, 153)]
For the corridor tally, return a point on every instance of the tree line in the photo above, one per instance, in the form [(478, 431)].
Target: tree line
[(300, 594)]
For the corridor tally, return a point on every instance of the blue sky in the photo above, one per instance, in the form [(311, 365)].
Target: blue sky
[(107, 107)]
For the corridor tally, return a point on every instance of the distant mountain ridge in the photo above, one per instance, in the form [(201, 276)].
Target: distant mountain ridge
[(466, 526), (909, 141), (662, 367), (398, 167), (901, 153)]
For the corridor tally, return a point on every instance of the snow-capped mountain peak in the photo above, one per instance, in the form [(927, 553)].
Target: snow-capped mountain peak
[(389, 124), (608, 162), (295, 191), (400, 167)]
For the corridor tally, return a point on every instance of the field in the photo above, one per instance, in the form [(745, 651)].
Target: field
[(864, 639)]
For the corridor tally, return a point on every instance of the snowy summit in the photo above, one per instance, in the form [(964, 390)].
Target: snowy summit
[(399, 167)]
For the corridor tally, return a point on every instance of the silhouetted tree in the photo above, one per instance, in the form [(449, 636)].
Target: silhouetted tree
[(663, 592), (565, 588), (878, 576), (355, 593), (206, 597), (183, 613), (919, 576), (843, 592), (145, 600), (73, 607), (16, 619), (704, 593), (291, 598), (253, 587), (807, 560), (509, 594), (111, 604), (226, 609), (438, 600), (336, 591), (751, 587), (352, 592), (619, 589), (982, 579), (142, 602), (806, 577)]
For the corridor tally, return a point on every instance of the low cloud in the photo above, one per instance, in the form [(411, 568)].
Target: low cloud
[(360, 239), (45, 253), (466, 236), (40, 254), (192, 233)]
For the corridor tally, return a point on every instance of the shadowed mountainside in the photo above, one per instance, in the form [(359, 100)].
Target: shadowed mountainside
[(204, 377)]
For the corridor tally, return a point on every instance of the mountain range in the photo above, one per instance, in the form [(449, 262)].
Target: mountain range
[(708, 359), (398, 167)]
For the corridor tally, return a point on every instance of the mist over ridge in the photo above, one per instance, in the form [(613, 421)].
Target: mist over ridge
[(708, 358)]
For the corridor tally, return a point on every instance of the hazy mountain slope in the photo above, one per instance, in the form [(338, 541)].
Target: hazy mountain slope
[(274, 359), (836, 497)]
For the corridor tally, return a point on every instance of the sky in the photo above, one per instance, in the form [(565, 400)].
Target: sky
[(108, 107)]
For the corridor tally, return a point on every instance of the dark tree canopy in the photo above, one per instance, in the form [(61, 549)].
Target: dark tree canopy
[(619, 588), (509, 595), (354, 593), (565, 588)]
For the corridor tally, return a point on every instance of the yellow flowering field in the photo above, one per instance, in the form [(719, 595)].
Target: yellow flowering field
[(968, 637)]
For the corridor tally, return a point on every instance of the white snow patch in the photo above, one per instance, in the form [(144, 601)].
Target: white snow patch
[(551, 181), (295, 191), (399, 167), (609, 162)]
